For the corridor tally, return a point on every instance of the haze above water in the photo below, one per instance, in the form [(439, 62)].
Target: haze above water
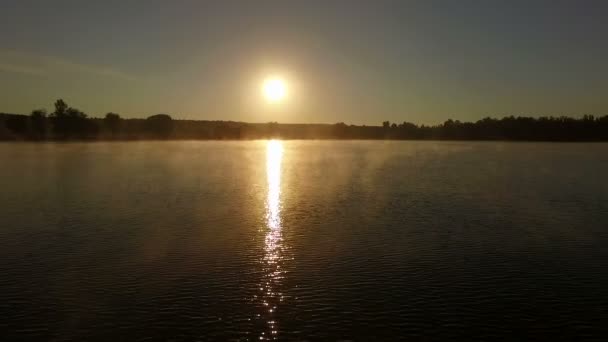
[(303, 240)]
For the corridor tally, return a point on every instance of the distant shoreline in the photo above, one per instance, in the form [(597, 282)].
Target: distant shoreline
[(19, 129), (69, 124), (143, 140)]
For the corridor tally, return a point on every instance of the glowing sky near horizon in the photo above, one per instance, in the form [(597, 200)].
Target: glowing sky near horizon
[(354, 61)]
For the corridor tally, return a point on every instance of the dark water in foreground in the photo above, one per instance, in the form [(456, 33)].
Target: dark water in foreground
[(188, 241)]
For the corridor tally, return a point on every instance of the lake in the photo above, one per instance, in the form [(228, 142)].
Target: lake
[(303, 240)]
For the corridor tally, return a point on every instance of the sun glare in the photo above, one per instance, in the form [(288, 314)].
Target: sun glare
[(274, 89)]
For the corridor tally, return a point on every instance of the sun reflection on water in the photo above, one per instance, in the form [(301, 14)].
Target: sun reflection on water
[(271, 294), (274, 156)]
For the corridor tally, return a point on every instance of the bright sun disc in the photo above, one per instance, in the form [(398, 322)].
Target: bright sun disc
[(274, 89)]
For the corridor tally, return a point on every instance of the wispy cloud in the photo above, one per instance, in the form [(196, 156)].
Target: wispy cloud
[(44, 65), (20, 69)]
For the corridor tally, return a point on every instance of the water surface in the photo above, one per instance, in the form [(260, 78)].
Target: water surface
[(303, 240)]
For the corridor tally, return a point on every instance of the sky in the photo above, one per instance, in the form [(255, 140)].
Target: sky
[(360, 62)]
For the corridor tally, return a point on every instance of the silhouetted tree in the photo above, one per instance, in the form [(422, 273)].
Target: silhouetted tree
[(112, 122), (160, 125), (4, 132), (79, 126), (69, 122), (340, 130), (17, 124), (39, 123), (60, 108), (60, 119), (272, 130)]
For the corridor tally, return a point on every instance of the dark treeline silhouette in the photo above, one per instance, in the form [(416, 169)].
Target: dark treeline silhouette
[(67, 123)]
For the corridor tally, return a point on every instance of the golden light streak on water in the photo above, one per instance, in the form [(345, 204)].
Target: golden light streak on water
[(274, 156), (273, 242)]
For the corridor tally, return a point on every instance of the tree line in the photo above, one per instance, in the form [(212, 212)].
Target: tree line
[(68, 123)]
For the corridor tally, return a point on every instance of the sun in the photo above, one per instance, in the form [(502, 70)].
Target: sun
[(274, 89)]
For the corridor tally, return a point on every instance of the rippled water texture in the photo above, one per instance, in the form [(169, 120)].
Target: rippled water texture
[(303, 240)]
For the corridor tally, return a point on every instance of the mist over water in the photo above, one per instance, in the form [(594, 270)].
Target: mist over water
[(303, 240)]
